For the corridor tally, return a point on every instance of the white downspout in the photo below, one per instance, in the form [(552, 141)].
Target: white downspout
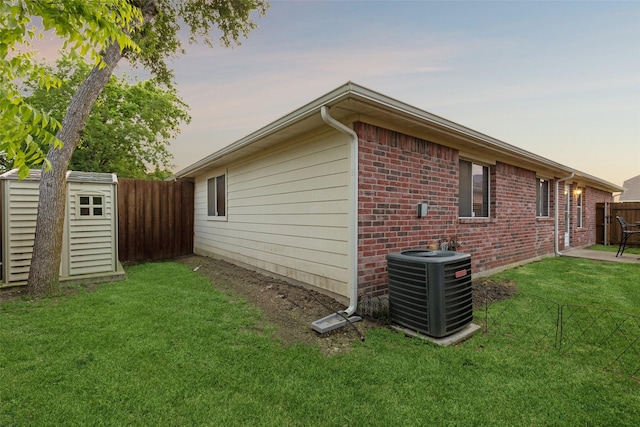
[(353, 209), (556, 233)]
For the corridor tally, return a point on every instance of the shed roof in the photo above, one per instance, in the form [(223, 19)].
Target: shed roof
[(352, 102), (72, 176)]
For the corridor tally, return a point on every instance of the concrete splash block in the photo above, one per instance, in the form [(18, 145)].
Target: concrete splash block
[(455, 338), (333, 321)]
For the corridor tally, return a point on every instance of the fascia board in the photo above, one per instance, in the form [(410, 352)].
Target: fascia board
[(479, 138), (301, 113), (352, 91)]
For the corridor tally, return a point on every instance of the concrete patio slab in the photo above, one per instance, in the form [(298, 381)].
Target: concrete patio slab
[(601, 255)]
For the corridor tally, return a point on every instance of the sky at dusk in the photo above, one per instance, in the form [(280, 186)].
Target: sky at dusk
[(559, 79)]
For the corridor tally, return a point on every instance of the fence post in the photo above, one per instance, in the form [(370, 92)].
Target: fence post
[(486, 312), (559, 328), (606, 224)]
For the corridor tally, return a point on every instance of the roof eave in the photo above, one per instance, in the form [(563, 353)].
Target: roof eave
[(486, 141), (356, 92), (307, 110)]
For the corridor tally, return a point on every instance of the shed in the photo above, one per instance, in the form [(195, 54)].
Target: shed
[(90, 236)]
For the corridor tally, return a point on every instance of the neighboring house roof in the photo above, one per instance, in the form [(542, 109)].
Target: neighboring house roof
[(351, 102), (631, 190)]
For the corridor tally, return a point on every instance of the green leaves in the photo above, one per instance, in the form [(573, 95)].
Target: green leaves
[(205, 20), (146, 31), (130, 125), (23, 129), (86, 27)]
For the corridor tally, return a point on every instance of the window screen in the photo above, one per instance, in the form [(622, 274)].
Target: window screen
[(216, 196), (542, 197), (474, 190)]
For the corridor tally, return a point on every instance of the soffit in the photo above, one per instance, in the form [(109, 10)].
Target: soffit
[(351, 102), (471, 144)]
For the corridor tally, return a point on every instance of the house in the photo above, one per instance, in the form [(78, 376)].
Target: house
[(90, 246), (323, 194), (631, 191)]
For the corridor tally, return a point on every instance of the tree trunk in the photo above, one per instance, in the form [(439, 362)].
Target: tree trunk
[(44, 273)]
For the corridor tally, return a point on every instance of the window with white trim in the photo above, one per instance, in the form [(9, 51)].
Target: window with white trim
[(542, 197), (579, 207), (217, 196), (90, 206), (474, 190)]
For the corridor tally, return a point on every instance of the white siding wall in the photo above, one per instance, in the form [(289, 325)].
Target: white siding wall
[(287, 212), (20, 208), (90, 241)]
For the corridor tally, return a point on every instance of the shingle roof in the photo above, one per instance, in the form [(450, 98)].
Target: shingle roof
[(631, 190), (352, 100)]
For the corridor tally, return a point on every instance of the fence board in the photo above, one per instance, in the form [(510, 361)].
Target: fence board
[(630, 211), (155, 219)]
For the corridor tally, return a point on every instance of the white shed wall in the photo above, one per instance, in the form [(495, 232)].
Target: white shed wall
[(20, 202), (287, 212)]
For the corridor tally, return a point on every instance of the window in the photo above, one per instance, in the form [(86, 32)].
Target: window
[(474, 190), (216, 196), (579, 207), (90, 206), (542, 197)]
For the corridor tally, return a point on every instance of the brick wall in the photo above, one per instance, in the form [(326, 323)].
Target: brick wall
[(512, 233), (397, 172)]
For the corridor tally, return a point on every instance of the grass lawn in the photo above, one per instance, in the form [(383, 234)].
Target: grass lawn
[(614, 248), (581, 281), (164, 348)]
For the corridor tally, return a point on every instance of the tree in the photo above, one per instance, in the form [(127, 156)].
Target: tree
[(128, 129), (85, 29), (97, 29), (143, 31)]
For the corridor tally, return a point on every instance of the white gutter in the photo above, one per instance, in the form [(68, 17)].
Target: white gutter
[(353, 209), (310, 109), (555, 222), (352, 92)]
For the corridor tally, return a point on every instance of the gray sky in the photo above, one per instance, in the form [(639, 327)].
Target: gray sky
[(560, 79)]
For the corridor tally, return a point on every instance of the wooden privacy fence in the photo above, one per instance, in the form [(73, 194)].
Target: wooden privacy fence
[(155, 219), (608, 228)]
